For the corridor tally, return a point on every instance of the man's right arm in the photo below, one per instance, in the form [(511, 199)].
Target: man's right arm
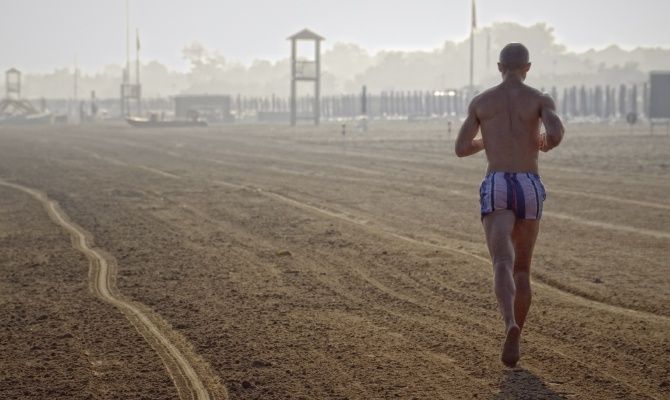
[(552, 124), (466, 144)]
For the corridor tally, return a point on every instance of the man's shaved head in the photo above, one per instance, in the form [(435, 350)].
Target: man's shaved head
[(514, 56)]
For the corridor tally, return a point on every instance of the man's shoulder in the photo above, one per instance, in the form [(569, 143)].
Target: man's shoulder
[(485, 95), (492, 91)]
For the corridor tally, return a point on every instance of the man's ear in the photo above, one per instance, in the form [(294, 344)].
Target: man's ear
[(527, 67), (501, 67)]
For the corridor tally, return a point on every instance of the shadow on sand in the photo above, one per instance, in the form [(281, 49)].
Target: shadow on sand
[(520, 384)]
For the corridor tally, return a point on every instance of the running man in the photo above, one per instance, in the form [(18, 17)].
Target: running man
[(511, 194)]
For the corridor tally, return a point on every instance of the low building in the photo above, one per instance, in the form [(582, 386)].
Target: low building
[(208, 107)]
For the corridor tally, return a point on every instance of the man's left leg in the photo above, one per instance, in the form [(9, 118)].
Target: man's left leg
[(523, 237)]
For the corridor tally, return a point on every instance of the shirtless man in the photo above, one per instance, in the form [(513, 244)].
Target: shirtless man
[(511, 194)]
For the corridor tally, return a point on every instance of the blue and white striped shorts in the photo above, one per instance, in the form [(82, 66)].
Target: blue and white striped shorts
[(521, 192)]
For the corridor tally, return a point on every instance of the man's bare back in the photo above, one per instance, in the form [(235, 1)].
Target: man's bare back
[(509, 117), (511, 196)]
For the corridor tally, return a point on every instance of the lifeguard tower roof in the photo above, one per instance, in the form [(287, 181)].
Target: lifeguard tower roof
[(306, 34)]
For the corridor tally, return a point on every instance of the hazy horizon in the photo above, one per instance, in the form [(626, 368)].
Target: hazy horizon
[(95, 33)]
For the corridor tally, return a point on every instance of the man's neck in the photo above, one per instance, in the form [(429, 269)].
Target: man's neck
[(512, 78)]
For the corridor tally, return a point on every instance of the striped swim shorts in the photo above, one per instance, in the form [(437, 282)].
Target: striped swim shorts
[(521, 192)]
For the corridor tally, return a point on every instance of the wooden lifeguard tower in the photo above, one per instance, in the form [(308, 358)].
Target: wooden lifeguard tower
[(16, 110), (308, 70), (13, 105), (13, 84)]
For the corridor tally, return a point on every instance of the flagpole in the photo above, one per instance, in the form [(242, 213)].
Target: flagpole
[(75, 93), (472, 61), (472, 50), (128, 40), (137, 73), (137, 60)]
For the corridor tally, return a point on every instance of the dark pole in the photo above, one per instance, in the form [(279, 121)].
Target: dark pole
[(364, 101), (293, 99), (317, 82)]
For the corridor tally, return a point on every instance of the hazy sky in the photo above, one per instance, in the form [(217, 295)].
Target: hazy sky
[(39, 35)]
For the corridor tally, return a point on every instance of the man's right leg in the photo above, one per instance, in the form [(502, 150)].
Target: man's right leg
[(499, 226)]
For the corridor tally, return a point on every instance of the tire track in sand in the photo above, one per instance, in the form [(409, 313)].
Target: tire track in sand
[(188, 382)]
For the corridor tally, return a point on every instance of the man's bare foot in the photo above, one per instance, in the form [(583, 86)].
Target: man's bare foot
[(510, 352)]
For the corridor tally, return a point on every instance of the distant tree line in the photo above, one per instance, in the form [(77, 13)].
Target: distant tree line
[(347, 67)]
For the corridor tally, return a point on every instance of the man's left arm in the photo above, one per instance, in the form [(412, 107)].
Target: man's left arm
[(552, 124), (466, 144)]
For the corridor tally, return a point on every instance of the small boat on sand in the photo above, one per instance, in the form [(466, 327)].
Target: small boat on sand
[(156, 123)]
